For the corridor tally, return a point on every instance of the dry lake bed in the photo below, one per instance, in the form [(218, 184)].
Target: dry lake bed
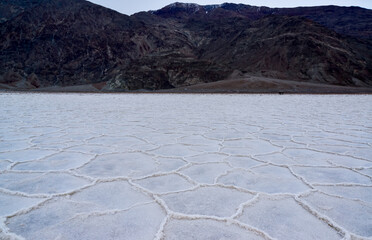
[(169, 166)]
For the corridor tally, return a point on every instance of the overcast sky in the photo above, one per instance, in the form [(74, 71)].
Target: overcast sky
[(132, 6)]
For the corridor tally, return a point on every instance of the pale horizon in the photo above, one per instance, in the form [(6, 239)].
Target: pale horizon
[(131, 7)]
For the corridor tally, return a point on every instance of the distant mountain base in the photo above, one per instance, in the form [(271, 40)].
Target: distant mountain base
[(268, 85), (245, 84)]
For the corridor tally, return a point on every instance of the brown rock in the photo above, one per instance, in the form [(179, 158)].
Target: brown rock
[(74, 42)]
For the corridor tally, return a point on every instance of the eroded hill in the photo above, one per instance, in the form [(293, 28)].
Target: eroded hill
[(49, 43)]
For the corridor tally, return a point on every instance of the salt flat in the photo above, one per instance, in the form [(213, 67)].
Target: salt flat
[(168, 166)]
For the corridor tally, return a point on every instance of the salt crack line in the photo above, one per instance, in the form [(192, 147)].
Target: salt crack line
[(158, 174), (226, 220), (304, 194), (27, 210), (86, 215), (241, 207), (151, 194), (300, 178), (48, 195), (187, 178), (232, 170), (322, 217), (254, 157), (6, 233), (215, 180), (33, 160), (338, 154), (160, 235), (22, 194), (261, 165), (342, 184)]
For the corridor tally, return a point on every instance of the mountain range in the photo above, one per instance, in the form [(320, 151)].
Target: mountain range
[(74, 44)]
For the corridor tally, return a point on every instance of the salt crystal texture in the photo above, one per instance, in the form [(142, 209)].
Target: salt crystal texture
[(169, 166)]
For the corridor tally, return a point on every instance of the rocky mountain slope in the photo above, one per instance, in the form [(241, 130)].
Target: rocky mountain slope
[(352, 21), (45, 43)]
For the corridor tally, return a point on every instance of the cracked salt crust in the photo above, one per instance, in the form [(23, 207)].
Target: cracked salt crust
[(143, 166)]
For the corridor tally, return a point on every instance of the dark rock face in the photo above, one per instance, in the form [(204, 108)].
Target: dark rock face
[(12, 8), (351, 21), (73, 42)]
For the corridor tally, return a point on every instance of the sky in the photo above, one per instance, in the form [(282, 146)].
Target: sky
[(132, 6)]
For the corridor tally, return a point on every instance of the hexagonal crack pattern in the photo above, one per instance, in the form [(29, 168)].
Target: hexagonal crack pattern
[(150, 166)]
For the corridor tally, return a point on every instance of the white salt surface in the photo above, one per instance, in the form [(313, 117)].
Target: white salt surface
[(169, 166)]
